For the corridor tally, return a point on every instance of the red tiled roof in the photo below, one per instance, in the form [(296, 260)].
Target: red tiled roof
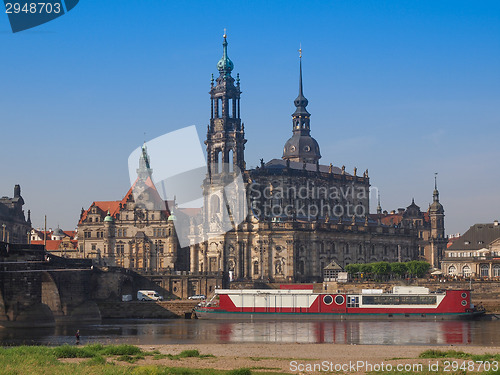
[(114, 206), (53, 245), (392, 219), (70, 233)]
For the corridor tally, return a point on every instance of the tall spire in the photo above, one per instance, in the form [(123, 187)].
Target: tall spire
[(301, 147), (436, 192), (379, 207), (225, 65), (436, 207), (301, 102), (144, 171)]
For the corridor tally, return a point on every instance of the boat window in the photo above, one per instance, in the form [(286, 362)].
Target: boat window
[(352, 301), (328, 300), (399, 300)]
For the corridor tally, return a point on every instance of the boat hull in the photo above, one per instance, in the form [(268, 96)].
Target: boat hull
[(404, 303), (230, 315)]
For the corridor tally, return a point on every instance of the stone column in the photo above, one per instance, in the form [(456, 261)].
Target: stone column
[(193, 264)]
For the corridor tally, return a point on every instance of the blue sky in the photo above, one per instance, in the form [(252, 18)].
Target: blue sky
[(403, 88)]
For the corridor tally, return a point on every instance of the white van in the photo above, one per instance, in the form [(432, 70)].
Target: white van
[(148, 295)]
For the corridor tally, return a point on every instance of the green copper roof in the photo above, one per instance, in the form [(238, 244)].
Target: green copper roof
[(108, 218), (225, 65), (172, 218)]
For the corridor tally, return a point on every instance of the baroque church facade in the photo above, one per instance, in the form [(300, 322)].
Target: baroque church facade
[(302, 215)]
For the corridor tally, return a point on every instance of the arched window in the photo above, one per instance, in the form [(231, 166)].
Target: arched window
[(215, 203), (230, 161), (496, 270), (452, 270), (219, 162), (484, 270), (333, 248), (466, 270), (256, 268)]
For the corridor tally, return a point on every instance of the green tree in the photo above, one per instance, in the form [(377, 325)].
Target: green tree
[(366, 268), (417, 268), (399, 269), (352, 269), (381, 269)]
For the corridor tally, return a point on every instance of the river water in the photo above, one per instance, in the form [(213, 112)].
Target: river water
[(179, 331)]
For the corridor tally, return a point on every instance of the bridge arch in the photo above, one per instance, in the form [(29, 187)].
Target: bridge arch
[(50, 294)]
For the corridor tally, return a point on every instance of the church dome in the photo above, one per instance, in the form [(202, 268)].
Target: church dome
[(302, 148), (436, 207), (108, 218), (225, 65), (58, 233)]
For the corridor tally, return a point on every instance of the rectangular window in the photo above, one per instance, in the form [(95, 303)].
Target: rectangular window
[(353, 301), (399, 300), (120, 249)]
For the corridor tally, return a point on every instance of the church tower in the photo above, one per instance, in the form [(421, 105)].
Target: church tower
[(144, 171), (437, 237), (301, 147), (225, 136), (436, 214)]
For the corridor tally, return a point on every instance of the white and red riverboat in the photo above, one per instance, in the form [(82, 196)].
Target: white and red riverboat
[(400, 303)]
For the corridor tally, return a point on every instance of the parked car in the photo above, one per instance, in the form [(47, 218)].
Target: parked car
[(198, 297)]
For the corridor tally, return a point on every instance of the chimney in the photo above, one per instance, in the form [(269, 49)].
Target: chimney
[(17, 191)]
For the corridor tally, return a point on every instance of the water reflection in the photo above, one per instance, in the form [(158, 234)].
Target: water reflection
[(156, 332)]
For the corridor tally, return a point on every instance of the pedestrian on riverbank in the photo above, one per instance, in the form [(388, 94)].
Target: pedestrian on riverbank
[(77, 335)]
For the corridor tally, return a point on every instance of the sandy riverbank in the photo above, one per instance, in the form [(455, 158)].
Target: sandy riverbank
[(292, 358)]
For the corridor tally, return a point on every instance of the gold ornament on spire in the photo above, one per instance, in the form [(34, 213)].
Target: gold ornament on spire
[(300, 50)]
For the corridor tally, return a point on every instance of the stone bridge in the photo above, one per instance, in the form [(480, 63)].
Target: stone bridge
[(39, 289)]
